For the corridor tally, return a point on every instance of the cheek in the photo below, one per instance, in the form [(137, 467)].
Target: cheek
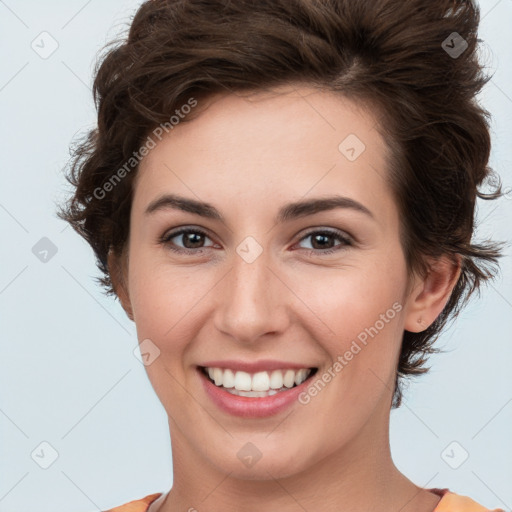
[(358, 309), (157, 297), (163, 301), (338, 306), (166, 301)]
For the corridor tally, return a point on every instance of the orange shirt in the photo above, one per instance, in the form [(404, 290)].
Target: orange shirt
[(450, 502)]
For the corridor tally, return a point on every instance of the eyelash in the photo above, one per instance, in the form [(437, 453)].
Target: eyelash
[(346, 240)]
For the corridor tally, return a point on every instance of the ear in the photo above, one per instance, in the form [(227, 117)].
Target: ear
[(118, 267), (431, 293)]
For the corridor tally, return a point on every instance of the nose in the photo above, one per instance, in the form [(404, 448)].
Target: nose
[(252, 301)]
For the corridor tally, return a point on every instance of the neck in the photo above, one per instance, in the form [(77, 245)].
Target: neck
[(361, 476)]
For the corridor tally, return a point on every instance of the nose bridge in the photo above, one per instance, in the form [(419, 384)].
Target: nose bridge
[(248, 305)]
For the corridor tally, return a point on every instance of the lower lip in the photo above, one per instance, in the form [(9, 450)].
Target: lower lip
[(251, 407)]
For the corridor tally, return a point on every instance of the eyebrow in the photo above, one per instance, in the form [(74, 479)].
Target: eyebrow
[(288, 212)]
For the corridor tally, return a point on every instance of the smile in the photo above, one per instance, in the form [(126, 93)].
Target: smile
[(254, 394), (257, 385)]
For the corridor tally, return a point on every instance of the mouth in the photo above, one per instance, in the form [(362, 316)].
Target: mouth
[(261, 384), (257, 394)]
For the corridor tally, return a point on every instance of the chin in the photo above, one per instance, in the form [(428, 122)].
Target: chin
[(268, 462)]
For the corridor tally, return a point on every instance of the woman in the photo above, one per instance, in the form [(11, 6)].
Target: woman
[(281, 194)]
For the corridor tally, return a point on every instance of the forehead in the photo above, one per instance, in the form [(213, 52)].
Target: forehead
[(270, 145)]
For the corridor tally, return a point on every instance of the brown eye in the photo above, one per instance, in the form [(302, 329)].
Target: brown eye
[(192, 240), (322, 241)]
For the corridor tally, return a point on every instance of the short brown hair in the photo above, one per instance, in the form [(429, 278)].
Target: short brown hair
[(415, 61)]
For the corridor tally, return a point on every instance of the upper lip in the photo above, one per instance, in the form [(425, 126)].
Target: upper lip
[(255, 366)]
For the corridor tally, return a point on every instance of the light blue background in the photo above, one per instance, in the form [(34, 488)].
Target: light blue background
[(68, 375)]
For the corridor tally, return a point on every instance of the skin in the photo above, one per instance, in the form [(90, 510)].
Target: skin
[(248, 156)]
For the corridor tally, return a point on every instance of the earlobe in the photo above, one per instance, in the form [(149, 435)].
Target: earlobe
[(117, 269), (432, 292)]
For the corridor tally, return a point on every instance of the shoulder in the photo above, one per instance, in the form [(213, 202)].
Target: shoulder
[(452, 502), (140, 505)]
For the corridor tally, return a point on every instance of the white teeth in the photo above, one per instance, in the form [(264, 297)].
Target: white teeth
[(257, 384), (289, 378), (276, 379), (242, 381), (228, 379), (217, 376), (252, 394), (260, 381), (301, 376)]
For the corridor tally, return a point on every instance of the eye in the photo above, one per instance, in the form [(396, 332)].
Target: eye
[(192, 239), (321, 244)]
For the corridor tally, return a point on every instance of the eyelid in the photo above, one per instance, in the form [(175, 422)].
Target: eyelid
[(346, 240), (331, 231), (180, 230), (165, 239)]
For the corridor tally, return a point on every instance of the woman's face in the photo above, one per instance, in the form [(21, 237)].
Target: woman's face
[(261, 286)]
